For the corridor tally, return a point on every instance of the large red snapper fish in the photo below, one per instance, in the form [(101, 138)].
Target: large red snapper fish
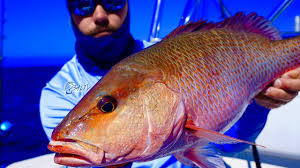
[(177, 96)]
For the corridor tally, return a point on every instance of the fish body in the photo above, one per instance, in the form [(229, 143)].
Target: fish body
[(176, 96)]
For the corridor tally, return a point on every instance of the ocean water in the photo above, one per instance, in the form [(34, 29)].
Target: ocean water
[(20, 94)]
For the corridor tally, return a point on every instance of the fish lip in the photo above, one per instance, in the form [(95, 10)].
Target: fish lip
[(70, 153)]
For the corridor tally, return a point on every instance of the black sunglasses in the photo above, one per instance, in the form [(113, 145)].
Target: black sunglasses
[(87, 7)]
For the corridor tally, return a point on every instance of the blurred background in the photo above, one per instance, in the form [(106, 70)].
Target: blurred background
[(37, 39)]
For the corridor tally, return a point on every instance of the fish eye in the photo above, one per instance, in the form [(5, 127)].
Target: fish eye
[(107, 104)]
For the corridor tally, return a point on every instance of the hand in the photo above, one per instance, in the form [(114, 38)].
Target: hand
[(282, 91)]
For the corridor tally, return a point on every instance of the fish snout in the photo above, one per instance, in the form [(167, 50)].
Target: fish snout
[(74, 153)]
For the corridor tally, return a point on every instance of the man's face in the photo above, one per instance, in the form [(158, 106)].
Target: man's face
[(100, 23)]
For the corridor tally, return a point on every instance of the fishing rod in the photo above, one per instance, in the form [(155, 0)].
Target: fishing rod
[(156, 19), (256, 156), (224, 10), (275, 14)]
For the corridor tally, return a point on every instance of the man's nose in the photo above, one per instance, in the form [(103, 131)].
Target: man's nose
[(100, 16)]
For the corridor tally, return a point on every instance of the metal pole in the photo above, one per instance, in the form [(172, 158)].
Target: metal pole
[(225, 11), (275, 14), (156, 19), (188, 12)]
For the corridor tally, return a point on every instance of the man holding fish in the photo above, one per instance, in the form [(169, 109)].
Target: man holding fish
[(102, 40)]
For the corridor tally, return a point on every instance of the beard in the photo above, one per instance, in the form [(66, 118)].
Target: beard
[(107, 50)]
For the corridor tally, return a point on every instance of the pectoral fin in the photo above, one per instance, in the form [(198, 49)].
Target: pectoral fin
[(215, 137)]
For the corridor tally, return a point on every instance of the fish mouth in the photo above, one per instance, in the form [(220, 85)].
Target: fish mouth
[(73, 153)]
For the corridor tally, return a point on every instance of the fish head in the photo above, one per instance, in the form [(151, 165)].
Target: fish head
[(127, 116)]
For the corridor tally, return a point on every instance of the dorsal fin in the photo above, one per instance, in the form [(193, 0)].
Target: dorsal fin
[(189, 27), (240, 22)]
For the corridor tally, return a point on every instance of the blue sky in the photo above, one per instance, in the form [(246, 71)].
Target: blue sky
[(38, 33)]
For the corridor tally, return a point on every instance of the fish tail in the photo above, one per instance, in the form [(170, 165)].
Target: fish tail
[(288, 50)]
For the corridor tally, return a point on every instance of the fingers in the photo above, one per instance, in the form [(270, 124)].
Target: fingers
[(275, 97), (283, 90), (294, 74), (288, 84), (280, 94), (268, 102)]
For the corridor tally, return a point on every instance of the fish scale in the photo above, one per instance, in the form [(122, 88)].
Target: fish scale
[(244, 51)]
